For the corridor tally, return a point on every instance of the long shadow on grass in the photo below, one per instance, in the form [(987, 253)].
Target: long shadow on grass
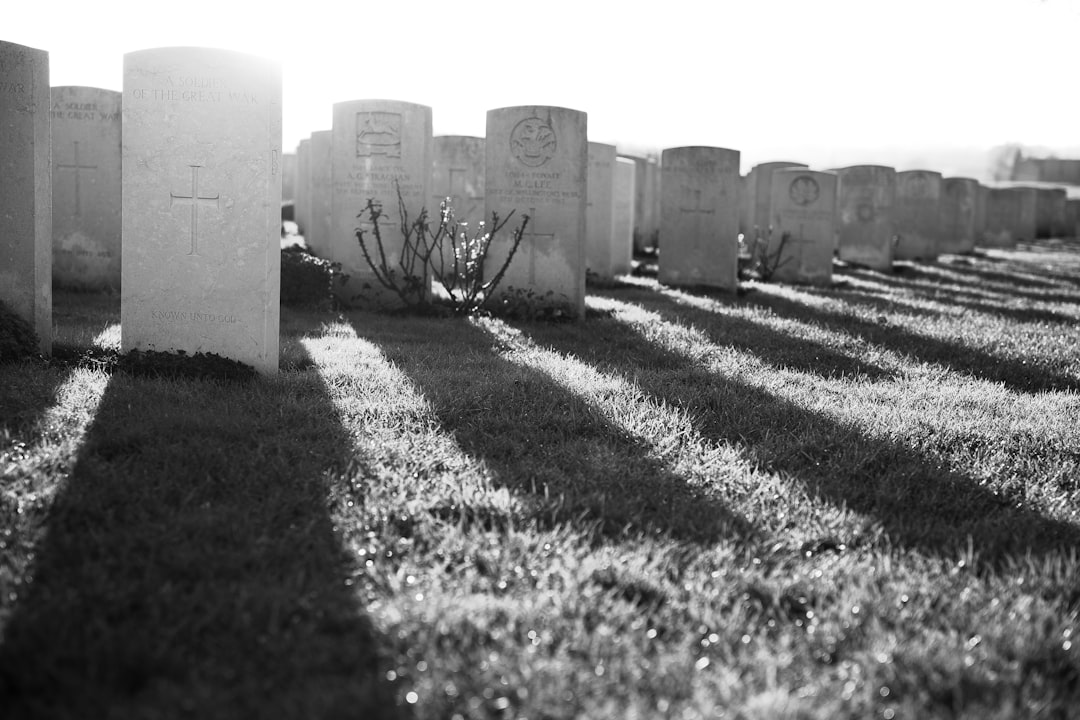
[(920, 503), (551, 447), (189, 566), (933, 284), (1017, 375)]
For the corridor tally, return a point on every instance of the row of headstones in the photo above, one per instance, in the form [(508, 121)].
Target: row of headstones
[(201, 189), (458, 173)]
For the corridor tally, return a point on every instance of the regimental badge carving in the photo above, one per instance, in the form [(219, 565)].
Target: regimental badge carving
[(918, 185), (865, 212), (804, 190), (533, 141), (378, 133)]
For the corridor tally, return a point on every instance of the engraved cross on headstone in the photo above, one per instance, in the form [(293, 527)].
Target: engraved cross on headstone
[(195, 200), (76, 167), (532, 238), (697, 209)]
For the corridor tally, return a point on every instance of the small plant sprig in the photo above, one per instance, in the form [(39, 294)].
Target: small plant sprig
[(767, 263), (446, 253)]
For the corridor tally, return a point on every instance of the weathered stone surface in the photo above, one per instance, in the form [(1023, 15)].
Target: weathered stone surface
[(758, 196), (1010, 216), (599, 214), (865, 215), (457, 172), (302, 209), (917, 215), (319, 192), (1050, 212), (622, 230), (700, 217), (803, 217), (1072, 219), (959, 212), (288, 177), (537, 164), (980, 213), (86, 188), (380, 146), (26, 200), (201, 203)]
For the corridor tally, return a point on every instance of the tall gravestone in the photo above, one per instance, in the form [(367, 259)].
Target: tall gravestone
[(319, 201), (700, 217), (980, 213), (803, 217), (622, 222), (1072, 219), (26, 200), (537, 164), (201, 203), (959, 204), (1010, 216), (1049, 212), (599, 212), (917, 215), (302, 208), (380, 147), (865, 215), (288, 178), (758, 197), (646, 210), (457, 172), (86, 188)]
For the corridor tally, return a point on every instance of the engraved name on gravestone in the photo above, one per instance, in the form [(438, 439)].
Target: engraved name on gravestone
[(86, 188), (959, 202), (537, 163), (26, 200), (379, 147), (599, 210), (803, 217), (700, 217), (622, 230), (917, 215), (201, 204), (865, 215), (320, 156)]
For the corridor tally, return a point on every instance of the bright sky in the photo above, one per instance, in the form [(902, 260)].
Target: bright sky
[(828, 82)]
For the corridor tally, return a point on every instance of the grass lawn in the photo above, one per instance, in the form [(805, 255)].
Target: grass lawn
[(854, 502)]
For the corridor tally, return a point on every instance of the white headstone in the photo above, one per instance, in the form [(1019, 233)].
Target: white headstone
[(377, 144), (288, 178), (457, 172), (700, 217), (980, 213), (865, 202), (622, 223), (201, 202), (302, 208), (600, 210), (319, 193), (1072, 219), (1010, 216), (917, 215), (959, 202), (803, 217), (759, 196), (86, 188), (26, 200), (537, 164), (1050, 212)]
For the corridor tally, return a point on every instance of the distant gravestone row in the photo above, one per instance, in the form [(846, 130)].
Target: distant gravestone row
[(183, 216)]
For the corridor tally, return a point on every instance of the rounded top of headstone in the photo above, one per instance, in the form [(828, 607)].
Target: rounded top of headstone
[(199, 51), (384, 102), (778, 164), (601, 146), (865, 168), (83, 89), (804, 170), (921, 171), (533, 108), (5, 45), (959, 179), (456, 138), (321, 133)]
